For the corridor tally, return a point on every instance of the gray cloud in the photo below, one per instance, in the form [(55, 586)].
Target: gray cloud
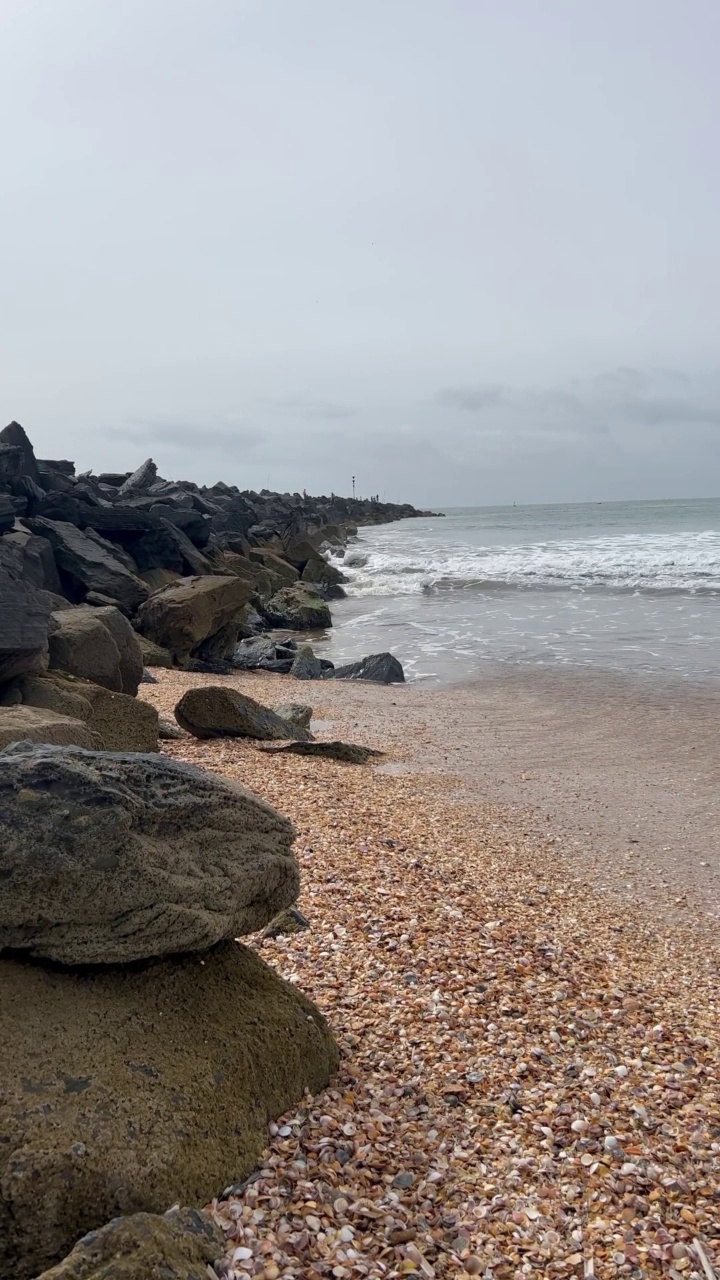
[(470, 399)]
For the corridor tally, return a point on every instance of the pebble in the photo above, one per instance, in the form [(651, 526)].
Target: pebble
[(513, 1185)]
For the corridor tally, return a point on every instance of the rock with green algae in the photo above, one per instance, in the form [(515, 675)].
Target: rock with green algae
[(126, 1089), (180, 1245)]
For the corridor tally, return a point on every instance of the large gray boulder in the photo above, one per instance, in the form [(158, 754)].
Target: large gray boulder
[(181, 616), (298, 608), (111, 857), (88, 564), (15, 436), (219, 711), (178, 1245), (324, 577), (24, 621), (305, 665), (29, 559), (82, 644), (129, 1088)]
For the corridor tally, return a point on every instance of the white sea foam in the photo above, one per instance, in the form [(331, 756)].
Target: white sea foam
[(406, 563)]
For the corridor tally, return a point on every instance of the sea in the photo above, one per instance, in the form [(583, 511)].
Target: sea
[(624, 586)]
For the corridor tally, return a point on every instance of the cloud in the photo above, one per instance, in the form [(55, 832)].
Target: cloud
[(470, 399), (310, 408), (192, 437)]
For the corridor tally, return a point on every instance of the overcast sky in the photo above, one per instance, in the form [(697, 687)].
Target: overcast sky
[(467, 250)]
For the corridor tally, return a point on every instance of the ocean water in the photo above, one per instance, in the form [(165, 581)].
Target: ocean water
[(629, 586)]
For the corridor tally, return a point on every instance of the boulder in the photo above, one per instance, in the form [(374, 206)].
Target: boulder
[(348, 752), (82, 645), (219, 711), (117, 722), (253, 653), (139, 481), (29, 559), (130, 1088), (15, 437), (297, 713), (8, 513), (110, 857), (128, 646), (180, 1245), (324, 577), (24, 622), (382, 668), (86, 564), (305, 665), (156, 579), (153, 655), (169, 730), (181, 616), (297, 608), (31, 724), (280, 572)]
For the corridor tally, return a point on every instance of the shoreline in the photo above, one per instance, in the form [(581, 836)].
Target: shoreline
[(529, 1062)]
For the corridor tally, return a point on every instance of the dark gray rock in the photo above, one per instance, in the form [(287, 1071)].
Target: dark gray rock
[(108, 857), (381, 668), (29, 559), (348, 752), (140, 480), (86, 565), (219, 711), (7, 513), (24, 622), (14, 436), (251, 652)]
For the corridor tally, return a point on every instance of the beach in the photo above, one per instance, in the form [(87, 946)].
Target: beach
[(513, 935)]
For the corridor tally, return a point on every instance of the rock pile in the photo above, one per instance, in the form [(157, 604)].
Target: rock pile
[(145, 1051), (102, 574)]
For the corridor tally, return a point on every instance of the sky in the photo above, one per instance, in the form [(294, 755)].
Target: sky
[(465, 250)]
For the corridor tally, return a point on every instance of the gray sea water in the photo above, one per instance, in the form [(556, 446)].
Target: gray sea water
[(631, 586)]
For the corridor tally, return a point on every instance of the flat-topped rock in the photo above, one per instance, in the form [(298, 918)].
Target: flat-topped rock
[(219, 711)]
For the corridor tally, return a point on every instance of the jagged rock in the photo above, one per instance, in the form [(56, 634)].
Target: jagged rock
[(128, 645), (111, 857), (253, 653), (219, 711), (181, 616), (305, 665), (133, 1087), (117, 721), (349, 752), (153, 655), (29, 559), (140, 480), (297, 608), (297, 713), (7, 513), (82, 645), (180, 1245), (24, 620), (280, 572), (86, 565), (113, 478), (324, 577), (14, 436), (29, 724), (382, 668)]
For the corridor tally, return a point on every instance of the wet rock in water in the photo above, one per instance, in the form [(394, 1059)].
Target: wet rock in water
[(107, 858), (297, 713), (180, 1245), (129, 1088), (306, 666), (218, 711), (287, 922), (184, 615), (349, 752), (298, 608), (382, 668), (324, 577)]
